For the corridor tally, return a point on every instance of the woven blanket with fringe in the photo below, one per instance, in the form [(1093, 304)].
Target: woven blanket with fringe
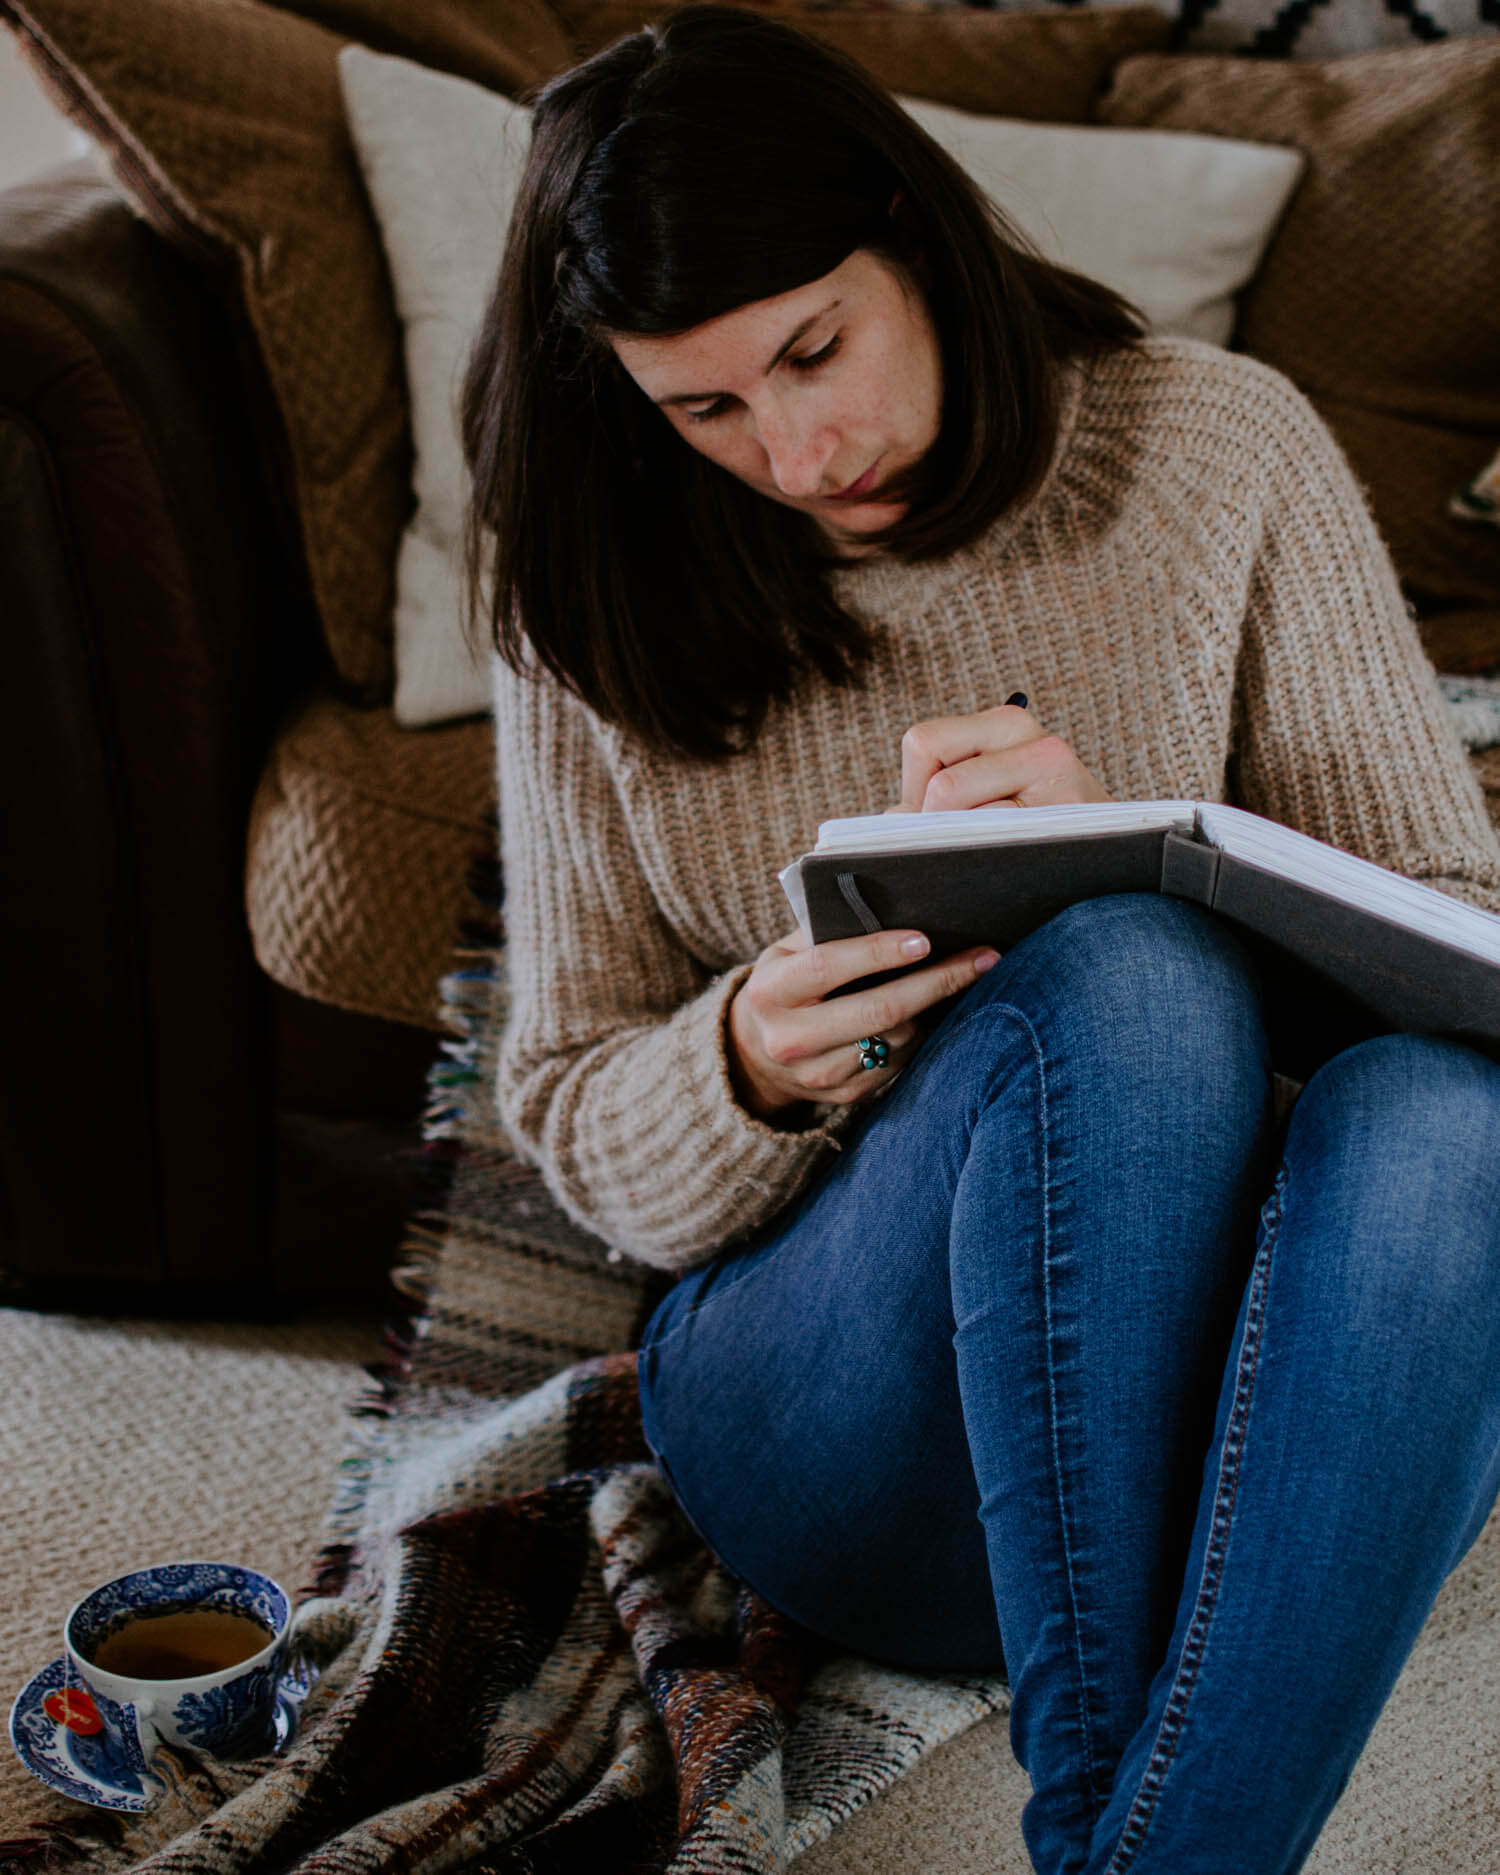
[(528, 1660)]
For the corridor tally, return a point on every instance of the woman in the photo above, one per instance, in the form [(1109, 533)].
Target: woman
[(1009, 1332)]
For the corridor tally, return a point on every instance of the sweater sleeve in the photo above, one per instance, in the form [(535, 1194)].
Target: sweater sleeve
[(613, 1073), (1340, 728)]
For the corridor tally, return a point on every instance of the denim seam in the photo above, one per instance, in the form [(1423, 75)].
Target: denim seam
[(1064, 1524), (1142, 1811)]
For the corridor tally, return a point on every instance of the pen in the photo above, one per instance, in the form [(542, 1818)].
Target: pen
[(1018, 698)]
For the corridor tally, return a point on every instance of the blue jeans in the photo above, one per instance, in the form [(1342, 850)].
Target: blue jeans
[(1070, 1366)]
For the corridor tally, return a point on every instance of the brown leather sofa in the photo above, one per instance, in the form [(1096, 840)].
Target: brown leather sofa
[(175, 1128)]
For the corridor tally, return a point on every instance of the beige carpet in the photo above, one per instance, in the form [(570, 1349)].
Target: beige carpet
[(130, 1443), (124, 1443)]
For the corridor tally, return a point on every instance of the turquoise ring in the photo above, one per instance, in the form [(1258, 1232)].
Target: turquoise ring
[(873, 1052)]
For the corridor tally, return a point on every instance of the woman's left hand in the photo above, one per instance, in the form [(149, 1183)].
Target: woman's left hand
[(999, 758)]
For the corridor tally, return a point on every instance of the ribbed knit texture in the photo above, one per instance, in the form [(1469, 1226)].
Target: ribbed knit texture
[(1195, 599)]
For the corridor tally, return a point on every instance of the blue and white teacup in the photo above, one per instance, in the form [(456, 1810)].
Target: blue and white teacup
[(146, 1644)]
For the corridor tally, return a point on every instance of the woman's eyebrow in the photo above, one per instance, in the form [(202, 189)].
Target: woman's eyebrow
[(798, 331)]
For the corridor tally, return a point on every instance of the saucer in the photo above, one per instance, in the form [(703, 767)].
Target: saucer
[(78, 1742)]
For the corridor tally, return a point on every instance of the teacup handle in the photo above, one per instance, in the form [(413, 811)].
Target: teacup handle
[(140, 1717)]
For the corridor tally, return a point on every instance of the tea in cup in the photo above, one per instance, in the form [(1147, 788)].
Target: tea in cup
[(185, 1653)]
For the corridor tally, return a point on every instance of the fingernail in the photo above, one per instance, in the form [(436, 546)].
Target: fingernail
[(914, 947), (986, 960)]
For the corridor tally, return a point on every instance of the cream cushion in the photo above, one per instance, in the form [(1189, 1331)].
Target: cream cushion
[(1176, 223), (442, 159)]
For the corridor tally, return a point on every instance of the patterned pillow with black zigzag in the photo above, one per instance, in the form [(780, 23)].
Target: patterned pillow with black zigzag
[(1327, 29)]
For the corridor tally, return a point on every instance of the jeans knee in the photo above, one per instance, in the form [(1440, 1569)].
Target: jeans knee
[(1399, 1136), (1132, 1027), (1407, 1102), (1161, 985)]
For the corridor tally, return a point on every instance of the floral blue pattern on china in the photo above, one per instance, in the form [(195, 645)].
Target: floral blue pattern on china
[(226, 1586), (78, 1742), (231, 1721)]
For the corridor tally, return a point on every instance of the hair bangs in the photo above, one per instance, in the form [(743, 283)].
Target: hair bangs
[(671, 227)]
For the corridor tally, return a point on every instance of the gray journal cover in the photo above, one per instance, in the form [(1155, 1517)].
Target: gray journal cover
[(1347, 968)]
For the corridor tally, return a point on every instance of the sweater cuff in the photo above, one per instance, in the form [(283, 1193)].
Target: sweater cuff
[(737, 1170)]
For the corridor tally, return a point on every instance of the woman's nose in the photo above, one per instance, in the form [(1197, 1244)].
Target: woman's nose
[(798, 453)]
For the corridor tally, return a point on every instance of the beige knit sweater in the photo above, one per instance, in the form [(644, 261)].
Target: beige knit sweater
[(1196, 600)]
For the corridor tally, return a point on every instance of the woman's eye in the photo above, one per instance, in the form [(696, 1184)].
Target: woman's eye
[(707, 412), (810, 361)]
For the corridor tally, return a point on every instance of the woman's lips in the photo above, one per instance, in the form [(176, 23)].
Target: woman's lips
[(859, 491)]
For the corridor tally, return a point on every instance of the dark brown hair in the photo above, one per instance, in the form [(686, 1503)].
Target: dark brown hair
[(692, 168)]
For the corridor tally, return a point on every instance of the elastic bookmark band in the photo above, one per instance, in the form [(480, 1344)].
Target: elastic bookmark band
[(850, 893)]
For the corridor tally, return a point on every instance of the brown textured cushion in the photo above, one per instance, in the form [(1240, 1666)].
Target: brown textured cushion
[(224, 122), (1046, 65), (1380, 292), (361, 840)]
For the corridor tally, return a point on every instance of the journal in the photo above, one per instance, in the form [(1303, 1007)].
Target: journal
[(1351, 935)]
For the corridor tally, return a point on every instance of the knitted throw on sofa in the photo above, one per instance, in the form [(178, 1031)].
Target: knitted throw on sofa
[(529, 1661)]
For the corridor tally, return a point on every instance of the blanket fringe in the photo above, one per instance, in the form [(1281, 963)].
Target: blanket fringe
[(53, 1846), (464, 997)]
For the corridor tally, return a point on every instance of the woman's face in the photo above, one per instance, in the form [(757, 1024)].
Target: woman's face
[(824, 399)]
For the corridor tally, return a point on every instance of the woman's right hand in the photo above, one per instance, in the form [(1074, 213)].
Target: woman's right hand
[(791, 1040)]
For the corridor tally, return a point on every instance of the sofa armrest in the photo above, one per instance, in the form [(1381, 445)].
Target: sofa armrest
[(154, 620)]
